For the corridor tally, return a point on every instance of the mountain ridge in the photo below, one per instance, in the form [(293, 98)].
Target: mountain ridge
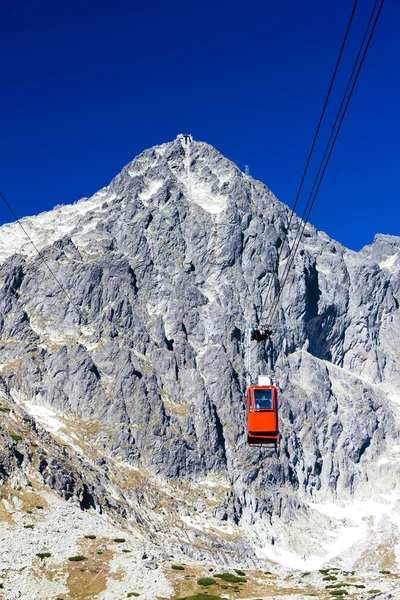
[(168, 266)]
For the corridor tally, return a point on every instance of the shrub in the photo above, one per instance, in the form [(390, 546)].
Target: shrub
[(239, 572), (132, 594), (329, 578), (374, 592), (359, 585), (338, 593), (384, 572), (90, 537), (306, 573), (77, 558), (16, 437), (124, 550), (206, 581), (119, 540), (177, 568), (230, 578), (43, 555), (29, 526), (4, 409), (99, 552)]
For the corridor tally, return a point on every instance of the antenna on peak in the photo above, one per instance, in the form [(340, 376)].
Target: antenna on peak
[(187, 137)]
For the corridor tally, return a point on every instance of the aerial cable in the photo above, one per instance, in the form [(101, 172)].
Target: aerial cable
[(311, 149), (328, 150), (65, 292)]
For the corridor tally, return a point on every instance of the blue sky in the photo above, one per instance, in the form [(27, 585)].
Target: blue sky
[(86, 86)]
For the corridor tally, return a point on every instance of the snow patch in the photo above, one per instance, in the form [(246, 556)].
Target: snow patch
[(151, 190), (48, 227), (389, 263)]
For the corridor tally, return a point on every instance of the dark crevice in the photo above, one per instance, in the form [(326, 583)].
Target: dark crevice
[(220, 434)]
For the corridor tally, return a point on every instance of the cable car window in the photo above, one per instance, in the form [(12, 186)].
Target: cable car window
[(263, 399)]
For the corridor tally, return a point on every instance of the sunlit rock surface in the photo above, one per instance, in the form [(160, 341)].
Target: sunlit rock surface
[(136, 368)]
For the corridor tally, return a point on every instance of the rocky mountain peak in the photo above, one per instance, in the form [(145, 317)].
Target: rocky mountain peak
[(138, 375)]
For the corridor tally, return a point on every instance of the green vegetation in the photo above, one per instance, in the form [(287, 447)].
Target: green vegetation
[(132, 594), (90, 537), (384, 572), (119, 540), (43, 555), (77, 558), (99, 552), (239, 572), (177, 568), (359, 585), (306, 573), (4, 409), (29, 526), (330, 578), (40, 507), (16, 437), (374, 592), (230, 578), (267, 573), (124, 550), (338, 593), (206, 581)]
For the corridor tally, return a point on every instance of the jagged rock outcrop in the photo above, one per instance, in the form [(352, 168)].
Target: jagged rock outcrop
[(163, 270)]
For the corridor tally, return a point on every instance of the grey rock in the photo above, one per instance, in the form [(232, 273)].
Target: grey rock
[(164, 273)]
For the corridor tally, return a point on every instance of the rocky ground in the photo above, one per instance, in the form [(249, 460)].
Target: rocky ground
[(122, 401)]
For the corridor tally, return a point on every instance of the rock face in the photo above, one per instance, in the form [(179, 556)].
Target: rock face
[(161, 272)]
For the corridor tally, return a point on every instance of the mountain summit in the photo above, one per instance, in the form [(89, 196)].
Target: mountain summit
[(132, 379)]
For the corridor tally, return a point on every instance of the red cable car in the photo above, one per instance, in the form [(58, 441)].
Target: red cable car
[(262, 415)]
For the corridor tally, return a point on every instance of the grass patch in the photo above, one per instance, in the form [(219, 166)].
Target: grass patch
[(384, 572), (132, 594), (206, 581), (338, 593), (240, 573), (230, 578), (330, 578), (306, 573), (29, 526), (43, 555), (4, 409), (124, 550), (39, 507), (16, 437), (119, 540), (374, 592), (90, 537), (77, 558), (177, 568)]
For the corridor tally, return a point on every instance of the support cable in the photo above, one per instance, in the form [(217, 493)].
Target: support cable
[(65, 292), (311, 149), (329, 149)]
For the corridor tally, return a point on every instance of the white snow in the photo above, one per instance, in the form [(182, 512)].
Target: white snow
[(152, 188), (45, 417), (199, 192), (357, 522), (389, 263), (48, 227)]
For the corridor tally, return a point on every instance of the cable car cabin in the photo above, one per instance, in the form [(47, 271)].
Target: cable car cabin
[(262, 415)]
